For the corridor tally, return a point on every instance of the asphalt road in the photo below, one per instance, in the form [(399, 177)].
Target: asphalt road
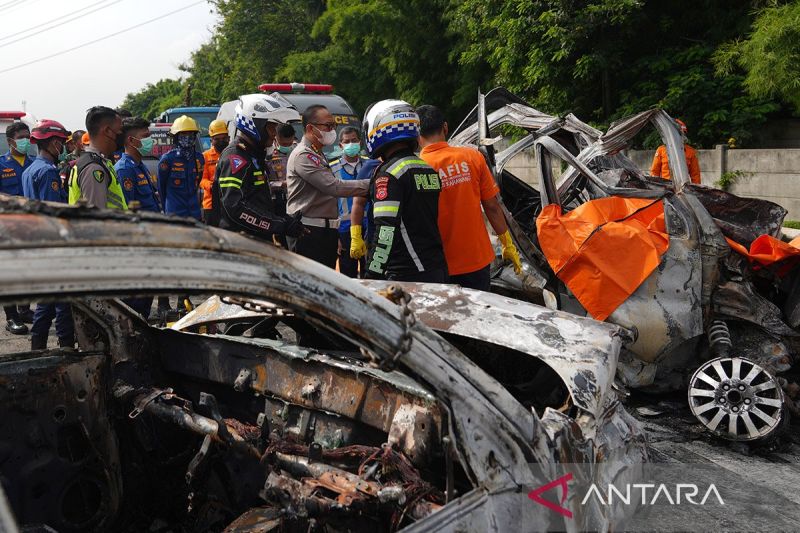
[(758, 482), (19, 343)]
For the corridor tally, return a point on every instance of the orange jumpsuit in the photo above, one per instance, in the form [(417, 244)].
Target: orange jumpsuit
[(211, 157), (660, 166)]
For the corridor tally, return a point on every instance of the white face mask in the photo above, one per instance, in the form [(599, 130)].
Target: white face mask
[(327, 137)]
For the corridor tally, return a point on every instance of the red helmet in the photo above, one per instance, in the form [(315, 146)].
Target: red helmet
[(45, 129)]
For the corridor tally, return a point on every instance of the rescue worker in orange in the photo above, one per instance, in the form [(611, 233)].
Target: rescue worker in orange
[(218, 132), (468, 191), (660, 166)]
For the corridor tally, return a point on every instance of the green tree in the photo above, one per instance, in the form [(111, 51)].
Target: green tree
[(153, 99), (249, 46), (247, 49), (387, 49), (603, 59), (770, 54), (206, 73), (599, 59)]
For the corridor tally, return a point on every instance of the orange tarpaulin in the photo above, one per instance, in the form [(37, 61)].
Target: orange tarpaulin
[(767, 250), (604, 249)]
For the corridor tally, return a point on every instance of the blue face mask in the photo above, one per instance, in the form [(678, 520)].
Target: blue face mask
[(351, 149)]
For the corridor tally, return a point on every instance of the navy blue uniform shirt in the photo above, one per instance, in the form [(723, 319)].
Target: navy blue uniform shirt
[(137, 184)]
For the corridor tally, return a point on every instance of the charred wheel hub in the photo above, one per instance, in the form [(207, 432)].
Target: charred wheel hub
[(736, 399)]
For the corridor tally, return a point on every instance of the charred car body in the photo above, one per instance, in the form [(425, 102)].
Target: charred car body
[(383, 424), (705, 315)]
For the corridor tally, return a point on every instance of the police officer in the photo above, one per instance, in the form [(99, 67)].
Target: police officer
[(405, 195), (93, 178), (180, 169), (241, 198), (313, 188), (218, 131), (41, 181), (347, 167), (12, 164)]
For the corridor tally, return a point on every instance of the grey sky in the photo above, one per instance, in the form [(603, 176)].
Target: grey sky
[(64, 87)]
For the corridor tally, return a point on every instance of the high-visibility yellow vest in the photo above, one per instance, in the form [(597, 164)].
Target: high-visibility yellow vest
[(115, 199)]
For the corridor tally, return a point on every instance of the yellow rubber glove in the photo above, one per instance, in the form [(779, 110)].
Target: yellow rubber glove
[(510, 252), (358, 247)]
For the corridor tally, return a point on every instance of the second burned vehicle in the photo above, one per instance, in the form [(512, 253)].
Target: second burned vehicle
[(698, 275)]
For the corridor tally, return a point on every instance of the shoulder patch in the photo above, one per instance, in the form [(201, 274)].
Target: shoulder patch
[(98, 175), (314, 159), (382, 188), (237, 162), (128, 184)]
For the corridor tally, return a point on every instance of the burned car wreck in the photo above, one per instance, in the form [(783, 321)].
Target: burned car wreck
[(707, 315), (337, 407)]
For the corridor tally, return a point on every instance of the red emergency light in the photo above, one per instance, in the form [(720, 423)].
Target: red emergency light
[(15, 115), (296, 87)]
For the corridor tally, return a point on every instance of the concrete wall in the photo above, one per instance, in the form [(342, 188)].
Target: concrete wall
[(770, 174)]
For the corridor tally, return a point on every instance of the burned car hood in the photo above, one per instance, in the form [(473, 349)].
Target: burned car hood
[(583, 352)]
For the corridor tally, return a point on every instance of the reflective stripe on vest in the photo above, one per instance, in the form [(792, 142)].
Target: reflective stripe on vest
[(115, 199)]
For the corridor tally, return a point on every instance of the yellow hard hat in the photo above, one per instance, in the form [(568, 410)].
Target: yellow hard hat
[(217, 127), (183, 123)]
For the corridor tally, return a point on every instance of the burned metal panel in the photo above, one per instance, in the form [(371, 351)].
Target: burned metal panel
[(607, 152), (313, 291), (244, 266), (546, 148), (738, 300), (58, 453), (215, 309), (741, 219), (526, 117), (298, 376), (583, 352), (665, 310), (622, 444)]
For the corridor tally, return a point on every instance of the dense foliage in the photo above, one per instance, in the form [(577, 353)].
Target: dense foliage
[(723, 66)]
